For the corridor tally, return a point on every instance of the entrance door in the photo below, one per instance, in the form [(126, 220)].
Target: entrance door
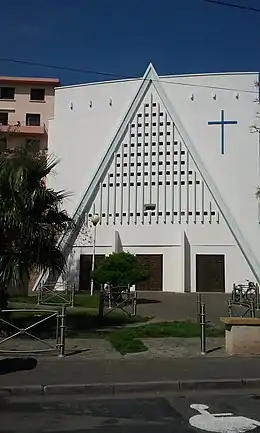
[(210, 273), (85, 270), (4, 118), (154, 263)]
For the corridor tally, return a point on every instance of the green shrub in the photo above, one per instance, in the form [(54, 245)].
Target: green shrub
[(120, 269)]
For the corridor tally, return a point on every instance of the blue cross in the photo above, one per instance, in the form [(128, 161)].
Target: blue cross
[(223, 122)]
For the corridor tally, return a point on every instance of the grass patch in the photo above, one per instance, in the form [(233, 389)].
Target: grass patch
[(83, 322), (125, 344), (79, 323), (171, 329), (81, 300), (128, 340)]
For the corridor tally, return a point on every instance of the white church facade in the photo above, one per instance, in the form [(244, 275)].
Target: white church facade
[(171, 166)]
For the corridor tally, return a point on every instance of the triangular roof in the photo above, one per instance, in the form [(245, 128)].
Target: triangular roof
[(151, 78)]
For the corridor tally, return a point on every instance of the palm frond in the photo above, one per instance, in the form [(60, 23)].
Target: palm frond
[(31, 218)]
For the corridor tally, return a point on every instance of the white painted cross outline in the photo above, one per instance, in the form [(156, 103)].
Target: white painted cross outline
[(220, 422)]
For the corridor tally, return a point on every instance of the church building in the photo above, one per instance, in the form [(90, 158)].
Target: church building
[(169, 166)]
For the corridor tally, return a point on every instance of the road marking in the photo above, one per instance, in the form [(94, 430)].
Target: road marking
[(220, 422)]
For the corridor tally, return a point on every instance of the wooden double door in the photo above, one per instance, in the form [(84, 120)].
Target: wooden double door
[(154, 263), (210, 273)]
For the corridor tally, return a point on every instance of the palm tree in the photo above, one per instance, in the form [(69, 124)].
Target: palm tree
[(31, 218)]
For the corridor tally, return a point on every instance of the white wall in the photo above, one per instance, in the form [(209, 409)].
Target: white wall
[(147, 240), (80, 133), (86, 119), (236, 173)]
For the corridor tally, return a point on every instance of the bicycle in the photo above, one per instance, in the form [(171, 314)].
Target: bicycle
[(251, 291), (244, 292)]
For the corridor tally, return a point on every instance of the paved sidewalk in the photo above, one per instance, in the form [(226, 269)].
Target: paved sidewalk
[(98, 348), (54, 372)]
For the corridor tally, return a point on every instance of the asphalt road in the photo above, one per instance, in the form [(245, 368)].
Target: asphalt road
[(129, 413)]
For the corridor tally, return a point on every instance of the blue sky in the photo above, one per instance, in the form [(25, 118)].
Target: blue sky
[(123, 36)]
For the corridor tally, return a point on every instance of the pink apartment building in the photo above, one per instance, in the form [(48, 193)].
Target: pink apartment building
[(26, 105)]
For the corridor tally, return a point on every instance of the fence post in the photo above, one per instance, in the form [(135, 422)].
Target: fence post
[(134, 304), (257, 296), (58, 330), (198, 306), (202, 328), (233, 293), (62, 332), (109, 296), (241, 295), (230, 308), (252, 309), (101, 306), (39, 294), (72, 295)]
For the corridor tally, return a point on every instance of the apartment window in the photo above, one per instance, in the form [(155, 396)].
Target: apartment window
[(33, 119), (3, 118), (37, 94), (7, 92)]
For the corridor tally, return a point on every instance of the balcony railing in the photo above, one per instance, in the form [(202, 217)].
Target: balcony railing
[(23, 128)]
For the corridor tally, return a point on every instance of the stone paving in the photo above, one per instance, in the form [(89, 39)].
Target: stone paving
[(96, 348), (181, 347)]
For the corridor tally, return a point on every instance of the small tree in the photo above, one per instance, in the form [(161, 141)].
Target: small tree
[(120, 269)]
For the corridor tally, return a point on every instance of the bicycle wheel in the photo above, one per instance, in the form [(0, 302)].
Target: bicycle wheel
[(251, 294)]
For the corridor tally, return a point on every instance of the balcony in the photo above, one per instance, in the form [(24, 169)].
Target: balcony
[(22, 128)]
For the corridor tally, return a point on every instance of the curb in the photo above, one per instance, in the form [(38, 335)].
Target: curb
[(112, 389)]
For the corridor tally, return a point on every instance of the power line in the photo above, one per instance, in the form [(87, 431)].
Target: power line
[(232, 5), (62, 68), (204, 86), (123, 77)]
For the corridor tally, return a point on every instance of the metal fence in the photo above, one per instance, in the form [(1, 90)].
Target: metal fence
[(59, 338), (114, 298), (201, 310), (57, 294), (244, 300)]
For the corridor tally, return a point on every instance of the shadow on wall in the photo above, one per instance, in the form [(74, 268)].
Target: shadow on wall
[(72, 272), (187, 264), (10, 365)]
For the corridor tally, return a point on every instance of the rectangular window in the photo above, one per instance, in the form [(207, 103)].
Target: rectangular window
[(37, 95), (149, 206), (3, 118), (7, 93), (33, 119)]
